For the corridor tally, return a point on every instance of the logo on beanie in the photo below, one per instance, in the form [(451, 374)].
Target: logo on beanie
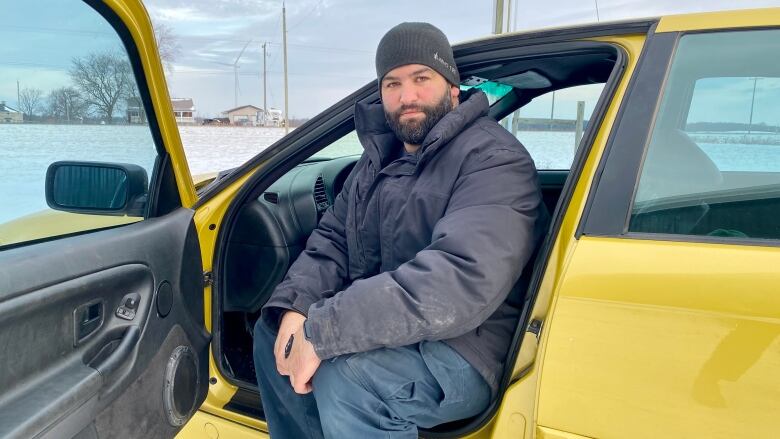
[(445, 63)]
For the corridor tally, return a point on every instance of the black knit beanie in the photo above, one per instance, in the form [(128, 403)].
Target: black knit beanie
[(416, 43)]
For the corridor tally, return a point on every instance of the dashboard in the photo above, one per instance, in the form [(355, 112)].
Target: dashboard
[(272, 230)]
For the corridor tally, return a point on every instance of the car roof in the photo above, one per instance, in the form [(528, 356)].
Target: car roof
[(730, 19)]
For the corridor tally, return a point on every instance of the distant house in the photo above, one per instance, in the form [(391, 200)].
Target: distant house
[(10, 115), (245, 115), (183, 110), (135, 112)]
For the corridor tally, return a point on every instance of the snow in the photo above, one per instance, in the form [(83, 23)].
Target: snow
[(26, 150)]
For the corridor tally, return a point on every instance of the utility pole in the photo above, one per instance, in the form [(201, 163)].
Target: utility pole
[(235, 86), (598, 18), (509, 16), (552, 109), (752, 103), (284, 40), (18, 95), (502, 16), (579, 125), (265, 101), (498, 17)]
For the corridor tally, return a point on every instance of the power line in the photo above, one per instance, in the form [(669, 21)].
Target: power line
[(311, 11)]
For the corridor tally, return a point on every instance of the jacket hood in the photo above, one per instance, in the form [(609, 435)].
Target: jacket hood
[(380, 142)]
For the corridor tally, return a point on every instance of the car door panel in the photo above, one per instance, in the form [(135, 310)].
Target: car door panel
[(69, 358), (652, 332)]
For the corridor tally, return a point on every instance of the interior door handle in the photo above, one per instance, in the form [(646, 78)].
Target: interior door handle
[(87, 319)]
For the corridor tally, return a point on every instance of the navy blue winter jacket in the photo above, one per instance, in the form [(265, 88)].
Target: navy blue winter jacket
[(424, 246)]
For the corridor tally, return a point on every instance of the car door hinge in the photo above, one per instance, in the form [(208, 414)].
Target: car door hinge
[(535, 327), (208, 279)]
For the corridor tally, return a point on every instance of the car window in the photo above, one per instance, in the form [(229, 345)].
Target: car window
[(67, 93), (712, 166), (344, 146), (551, 125)]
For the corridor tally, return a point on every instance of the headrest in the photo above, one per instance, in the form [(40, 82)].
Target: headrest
[(675, 165)]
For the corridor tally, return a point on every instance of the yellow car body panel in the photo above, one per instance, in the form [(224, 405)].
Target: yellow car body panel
[(212, 411), (720, 20), (208, 220), (207, 426), (549, 433), (517, 416), (644, 331)]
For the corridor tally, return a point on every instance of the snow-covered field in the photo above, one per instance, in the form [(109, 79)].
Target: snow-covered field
[(27, 150), (210, 148)]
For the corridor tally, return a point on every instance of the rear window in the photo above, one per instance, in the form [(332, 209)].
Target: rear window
[(712, 166)]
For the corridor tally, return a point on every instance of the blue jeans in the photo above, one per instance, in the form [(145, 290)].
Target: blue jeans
[(383, 393)]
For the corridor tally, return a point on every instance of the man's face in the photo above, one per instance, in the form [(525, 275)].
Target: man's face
[(415, 97)]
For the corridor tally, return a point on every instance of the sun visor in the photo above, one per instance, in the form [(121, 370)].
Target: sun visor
[(526, 80)]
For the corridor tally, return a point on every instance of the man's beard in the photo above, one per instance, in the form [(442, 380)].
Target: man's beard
[(414, 131)]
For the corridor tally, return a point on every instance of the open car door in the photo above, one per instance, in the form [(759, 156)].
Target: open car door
[(102, 331)]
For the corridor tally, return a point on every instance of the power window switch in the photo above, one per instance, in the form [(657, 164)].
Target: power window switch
[(129, 304)]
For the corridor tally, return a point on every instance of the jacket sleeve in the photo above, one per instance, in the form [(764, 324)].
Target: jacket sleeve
[(320, 270), (477, 252)]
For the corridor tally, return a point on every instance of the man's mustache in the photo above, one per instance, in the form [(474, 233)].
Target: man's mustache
[(409, 108)]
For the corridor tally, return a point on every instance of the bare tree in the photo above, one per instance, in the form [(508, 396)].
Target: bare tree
[(167, 45), (30, 101), (103, 79), (66, 104)]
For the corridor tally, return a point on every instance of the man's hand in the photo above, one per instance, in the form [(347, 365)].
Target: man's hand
[(291, 323), (302, 363)]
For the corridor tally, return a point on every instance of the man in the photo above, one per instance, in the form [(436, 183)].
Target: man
[(394, 315)]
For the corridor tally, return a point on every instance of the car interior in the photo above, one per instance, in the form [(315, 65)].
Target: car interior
[(682, 190), (269, 230)]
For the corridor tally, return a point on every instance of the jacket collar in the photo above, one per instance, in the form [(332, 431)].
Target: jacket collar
[(380, 143)]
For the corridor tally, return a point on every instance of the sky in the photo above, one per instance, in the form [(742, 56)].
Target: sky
[(331, 43), (38, 40)]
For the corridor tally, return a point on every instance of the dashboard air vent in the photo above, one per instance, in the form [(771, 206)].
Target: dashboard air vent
[(271, 197), (320, 196)]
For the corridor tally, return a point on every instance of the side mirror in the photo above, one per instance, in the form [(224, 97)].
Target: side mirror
[(97, 188)]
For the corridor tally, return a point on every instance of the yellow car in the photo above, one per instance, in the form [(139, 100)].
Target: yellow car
[(652, 308)]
